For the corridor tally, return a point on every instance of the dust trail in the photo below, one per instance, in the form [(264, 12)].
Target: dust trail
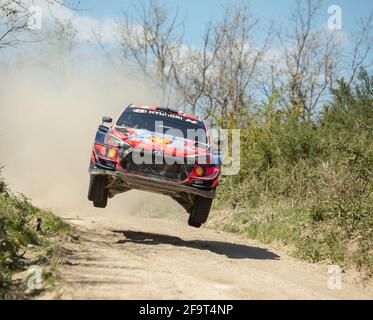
[(47, 125)]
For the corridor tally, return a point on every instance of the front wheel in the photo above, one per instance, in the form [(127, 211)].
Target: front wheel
[(97, 191), (101, 203), (200, 211)]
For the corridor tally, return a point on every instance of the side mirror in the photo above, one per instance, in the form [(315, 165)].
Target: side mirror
[(102, 128), (107, 120)]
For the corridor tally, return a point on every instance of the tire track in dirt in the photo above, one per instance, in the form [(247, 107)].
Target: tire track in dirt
[(126, 257)]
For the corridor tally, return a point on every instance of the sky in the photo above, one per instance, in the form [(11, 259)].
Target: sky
[(99, 16), (198, 13)]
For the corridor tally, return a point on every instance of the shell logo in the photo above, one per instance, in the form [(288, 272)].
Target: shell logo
[(160, 140)]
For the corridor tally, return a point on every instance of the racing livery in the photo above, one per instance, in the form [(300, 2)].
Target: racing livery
[(159, 150)]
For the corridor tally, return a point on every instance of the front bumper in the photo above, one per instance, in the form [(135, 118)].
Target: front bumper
[(152, 184)]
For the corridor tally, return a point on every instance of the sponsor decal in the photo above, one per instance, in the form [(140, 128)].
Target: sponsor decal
[(192, 121), (140, 110), (160, 140), (164, 114)]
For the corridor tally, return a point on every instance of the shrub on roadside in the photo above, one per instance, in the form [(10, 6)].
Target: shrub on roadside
[(18, 230), (321, 168)]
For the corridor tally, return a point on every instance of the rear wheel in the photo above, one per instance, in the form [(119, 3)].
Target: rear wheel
[(97, 191), (200, 211)]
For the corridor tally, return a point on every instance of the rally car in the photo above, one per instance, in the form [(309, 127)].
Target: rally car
[(155, 149)]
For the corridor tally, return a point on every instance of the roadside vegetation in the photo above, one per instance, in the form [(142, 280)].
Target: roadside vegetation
[(308, 184), (29, 237)]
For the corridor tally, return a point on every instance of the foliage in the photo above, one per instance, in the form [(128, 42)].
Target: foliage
[(321, 168), (19, 234)]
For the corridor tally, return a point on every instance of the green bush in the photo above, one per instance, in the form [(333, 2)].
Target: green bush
[(321, 168), (18, 230)]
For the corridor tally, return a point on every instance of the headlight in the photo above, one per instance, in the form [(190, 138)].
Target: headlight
[(113, 141), (116, 142)]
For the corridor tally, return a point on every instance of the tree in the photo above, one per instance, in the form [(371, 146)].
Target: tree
[(309, 58), (362, 46), (150, 38), (14, 17), (59, 44), (191, 71), (14, 20), (219, 80), (216, 80)]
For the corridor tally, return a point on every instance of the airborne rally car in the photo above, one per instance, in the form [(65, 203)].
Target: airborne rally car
[(159, 150)]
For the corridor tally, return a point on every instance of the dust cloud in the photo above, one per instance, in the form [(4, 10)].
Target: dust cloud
[(48, 121)]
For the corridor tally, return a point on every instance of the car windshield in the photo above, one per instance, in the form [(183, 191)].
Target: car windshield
[(162, 125)]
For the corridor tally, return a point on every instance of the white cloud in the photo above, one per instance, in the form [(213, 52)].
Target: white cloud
[(85, 25)]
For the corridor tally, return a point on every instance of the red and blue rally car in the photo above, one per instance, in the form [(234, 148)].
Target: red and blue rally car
[(159, 150)]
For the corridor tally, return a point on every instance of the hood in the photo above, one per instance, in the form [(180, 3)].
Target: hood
[(171, 145)]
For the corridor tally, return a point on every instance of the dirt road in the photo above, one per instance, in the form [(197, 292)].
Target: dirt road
[(127, 257)]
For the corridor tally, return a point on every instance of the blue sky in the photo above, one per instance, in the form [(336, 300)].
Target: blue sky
[(199, 12)]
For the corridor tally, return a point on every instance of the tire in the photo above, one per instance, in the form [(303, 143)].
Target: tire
[(100, 204), (200, 211), (97, 191), (194, 223)]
